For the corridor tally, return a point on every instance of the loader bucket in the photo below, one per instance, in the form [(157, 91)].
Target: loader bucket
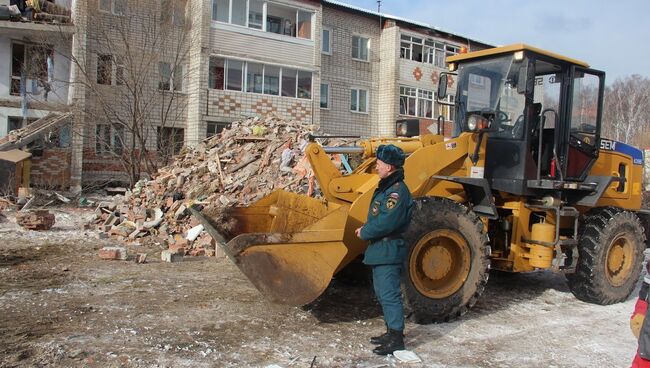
[(288, 245)]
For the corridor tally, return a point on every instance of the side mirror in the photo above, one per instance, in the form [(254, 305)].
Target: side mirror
[(442, 86), (525, 80)]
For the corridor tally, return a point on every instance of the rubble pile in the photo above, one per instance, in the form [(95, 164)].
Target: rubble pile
[(237, 167)]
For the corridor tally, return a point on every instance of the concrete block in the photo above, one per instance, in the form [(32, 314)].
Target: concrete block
[(169, 256)]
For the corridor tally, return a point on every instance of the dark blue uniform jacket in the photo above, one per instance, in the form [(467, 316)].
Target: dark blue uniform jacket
[(388, 217)]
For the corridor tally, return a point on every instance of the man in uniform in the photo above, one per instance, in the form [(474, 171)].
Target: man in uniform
[(389, 216)]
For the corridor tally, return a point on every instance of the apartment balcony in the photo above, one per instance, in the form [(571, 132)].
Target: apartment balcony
[(34, 18)]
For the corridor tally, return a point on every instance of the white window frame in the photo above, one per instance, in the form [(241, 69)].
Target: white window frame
[(418, 99), (329, 94), (329, 41), (294, 20), (173, 70), (360, 37), (357, 111)]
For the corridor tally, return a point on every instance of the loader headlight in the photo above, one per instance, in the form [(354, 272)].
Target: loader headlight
[(477, 122)]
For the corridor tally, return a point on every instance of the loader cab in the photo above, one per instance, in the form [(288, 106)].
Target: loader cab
[(541, 114)]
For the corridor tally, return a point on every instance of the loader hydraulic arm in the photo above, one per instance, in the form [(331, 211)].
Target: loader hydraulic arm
[(428, 156)]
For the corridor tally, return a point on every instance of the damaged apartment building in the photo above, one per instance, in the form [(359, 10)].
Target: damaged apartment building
[(124, 84)]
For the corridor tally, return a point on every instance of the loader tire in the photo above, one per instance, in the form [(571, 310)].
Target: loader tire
[(610, 256), (447, 265)]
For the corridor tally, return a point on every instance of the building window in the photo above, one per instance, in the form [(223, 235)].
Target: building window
[(109, 138), (360, 48), (234, 72), (104, 69), (359, 100), (304, 84), (259, 78), (173, 12), (265, 16), (171, 79), (448, 111), (324, 96), (170, 141), (415, 102), (117, 7), (215, 127), (326, 41), (425, 50), (29, 61)]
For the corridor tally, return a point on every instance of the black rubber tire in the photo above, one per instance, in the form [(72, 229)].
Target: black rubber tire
[(599, 228), (433, 213)]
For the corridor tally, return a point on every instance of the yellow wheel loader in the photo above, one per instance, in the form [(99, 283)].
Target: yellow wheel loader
[(525, 183)]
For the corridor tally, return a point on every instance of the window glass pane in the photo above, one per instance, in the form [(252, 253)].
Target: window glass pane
[(178, 78), (238, 12), (255, 14), (411, 106), (585, 107), (363, 100), (355, 47), (363, 55), (234, 75), (304, 84), (254, 77), (405, 50), (165, 72), (354, 106), (220, 10), (325, 41), (216, 73), (417, 52), (403, 102), (304, 24), (324, 95), (271, 80), (281, 19), (289, 82)]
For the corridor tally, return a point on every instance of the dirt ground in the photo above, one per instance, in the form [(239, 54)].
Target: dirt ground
[(60, 305)]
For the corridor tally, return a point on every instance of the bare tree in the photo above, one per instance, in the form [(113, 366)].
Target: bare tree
[(627, 110), (134, 75)]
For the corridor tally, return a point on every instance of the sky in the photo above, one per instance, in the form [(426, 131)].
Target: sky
[(610, 35)]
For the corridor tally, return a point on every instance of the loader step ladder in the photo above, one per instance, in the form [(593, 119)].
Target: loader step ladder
[(562, 246)]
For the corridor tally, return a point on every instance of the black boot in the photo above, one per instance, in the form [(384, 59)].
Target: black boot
[(394, 341), (381, 339)]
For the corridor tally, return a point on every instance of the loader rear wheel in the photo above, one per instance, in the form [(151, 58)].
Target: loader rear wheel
[(610, 256), (447, 265)]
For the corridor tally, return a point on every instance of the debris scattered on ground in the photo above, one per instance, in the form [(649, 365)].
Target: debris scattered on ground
[(234, 168), (170, 256), (113, 253), (35, 220), (406, 356)]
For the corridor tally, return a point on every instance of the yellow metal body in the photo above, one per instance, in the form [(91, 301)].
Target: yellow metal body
[(541, 256)]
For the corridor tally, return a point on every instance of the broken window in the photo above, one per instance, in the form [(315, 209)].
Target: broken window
[(289, 82), (215, 127), (217, 73), (31, 62), (170, 141), (170, 79), (109, 138), (304, 84), (17, 62), (104, 69)]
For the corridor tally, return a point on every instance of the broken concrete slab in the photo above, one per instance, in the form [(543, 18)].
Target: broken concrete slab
[(168, 256)]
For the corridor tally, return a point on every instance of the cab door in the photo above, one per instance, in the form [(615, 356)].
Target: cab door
[(582, 130)]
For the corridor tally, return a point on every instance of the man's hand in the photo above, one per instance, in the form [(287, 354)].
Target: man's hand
[(357, 232)]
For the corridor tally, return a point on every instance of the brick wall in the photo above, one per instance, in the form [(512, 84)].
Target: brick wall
[(52, 169)]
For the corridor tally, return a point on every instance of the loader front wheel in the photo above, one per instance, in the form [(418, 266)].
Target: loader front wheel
[(447, 265), (610, 256)]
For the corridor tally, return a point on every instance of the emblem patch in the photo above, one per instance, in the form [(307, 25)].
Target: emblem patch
[(375, 208), (390, 203), (394, 195)]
